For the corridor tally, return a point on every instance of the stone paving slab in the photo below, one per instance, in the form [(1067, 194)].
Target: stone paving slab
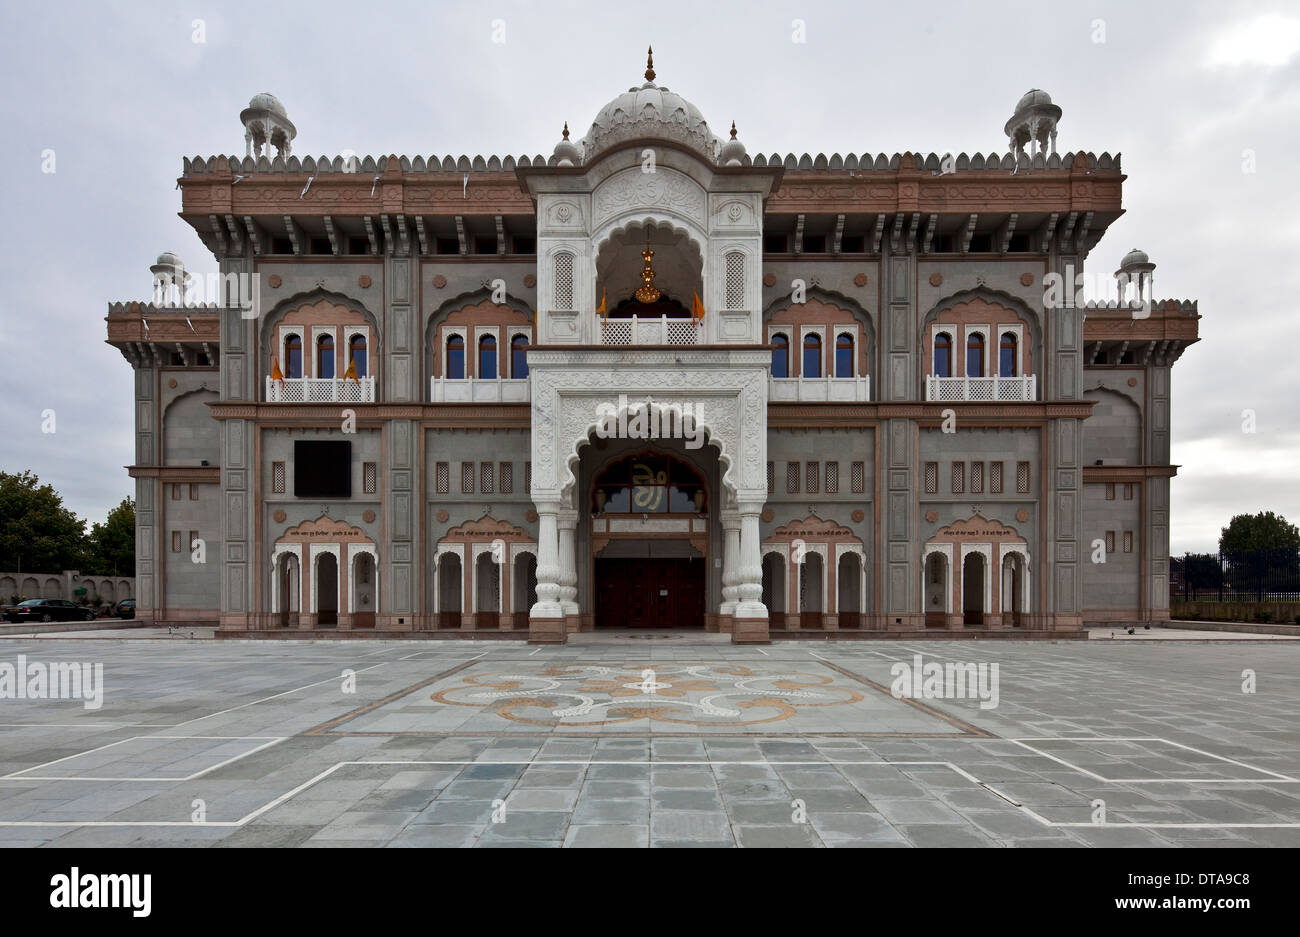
[(674, 743)]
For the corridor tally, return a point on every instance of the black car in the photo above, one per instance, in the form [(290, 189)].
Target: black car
[(47, 610), (125, 608)]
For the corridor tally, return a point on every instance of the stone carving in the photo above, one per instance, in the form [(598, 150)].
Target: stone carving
[(666, 189)]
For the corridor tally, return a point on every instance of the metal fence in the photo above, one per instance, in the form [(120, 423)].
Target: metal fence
[(1256, 576)]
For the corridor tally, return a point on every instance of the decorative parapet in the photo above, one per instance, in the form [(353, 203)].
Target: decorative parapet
[(939, 163)]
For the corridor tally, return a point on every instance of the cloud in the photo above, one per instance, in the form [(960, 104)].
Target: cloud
[(1270, 40)]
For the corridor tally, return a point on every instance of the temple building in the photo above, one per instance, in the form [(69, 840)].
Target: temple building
[(652, 381)]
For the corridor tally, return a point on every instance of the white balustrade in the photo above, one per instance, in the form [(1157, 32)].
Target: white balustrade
[(320, 390), (987, 389), (650, 331), (819, 389), (480, 390)]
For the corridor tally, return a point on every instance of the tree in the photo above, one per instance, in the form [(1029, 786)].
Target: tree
[(36, 530), (1248, 533), (112, 543)]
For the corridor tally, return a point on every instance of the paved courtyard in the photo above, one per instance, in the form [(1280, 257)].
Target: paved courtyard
[(653, 739)]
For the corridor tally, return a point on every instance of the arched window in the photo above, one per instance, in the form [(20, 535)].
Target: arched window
[(456, 357), (812, 355), (293, 356), (1007, 355), (519, 357), (780, 355), (943, 355), (325, 355), (975, 355), (357, 353), (487, 357), (844, 355)]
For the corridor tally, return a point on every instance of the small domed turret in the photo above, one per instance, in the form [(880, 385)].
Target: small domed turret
[(169, 280), (566, 152), (732, 152), (1135, 269), (1034, 122), (267, 123)]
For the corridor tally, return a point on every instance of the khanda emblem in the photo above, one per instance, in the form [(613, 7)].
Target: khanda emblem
[(647, 487)]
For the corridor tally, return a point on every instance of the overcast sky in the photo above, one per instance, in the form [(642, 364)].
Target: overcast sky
[(121, 91)]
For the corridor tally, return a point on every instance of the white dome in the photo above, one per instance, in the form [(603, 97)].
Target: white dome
[(1034, 97), (1134, 257), (267, 102), (650, 111), (168, 259)]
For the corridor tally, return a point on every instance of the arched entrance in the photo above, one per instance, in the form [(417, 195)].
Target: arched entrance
[(524, 582), (649, 516), (972, 589), (363, 590), (1013, 584), (288, 590), (936, 590), (811, 578), (774, 588), (327, 590), (449, 590)]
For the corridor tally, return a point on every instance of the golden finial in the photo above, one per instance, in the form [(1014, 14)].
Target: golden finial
[(650, 64), (733, 130), (646, 292), (566, 130)]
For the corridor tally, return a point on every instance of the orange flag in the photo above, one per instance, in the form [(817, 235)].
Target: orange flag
[(351, 372), (697, 307), (600, 310), (276, 373)]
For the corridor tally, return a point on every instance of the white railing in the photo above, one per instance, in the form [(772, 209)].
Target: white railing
[(480, 390), (320, 390), (818, 389), (990, 389), (660, 331)]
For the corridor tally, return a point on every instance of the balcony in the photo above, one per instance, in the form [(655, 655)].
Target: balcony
[(480, 390), (985, 389), (819, 389), (320, 390), (660, 331)]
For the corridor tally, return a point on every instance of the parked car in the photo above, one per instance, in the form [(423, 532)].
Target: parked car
[(125, 608), (47, 610)]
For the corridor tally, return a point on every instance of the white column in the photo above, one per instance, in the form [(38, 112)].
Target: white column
[(567, 522), (750, 588), (731, 564), (548, 564)]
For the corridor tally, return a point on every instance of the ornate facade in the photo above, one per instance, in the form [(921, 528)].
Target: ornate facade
[(652, 381)]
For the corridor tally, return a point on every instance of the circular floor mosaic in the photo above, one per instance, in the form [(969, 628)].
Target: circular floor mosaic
[(700, 694)]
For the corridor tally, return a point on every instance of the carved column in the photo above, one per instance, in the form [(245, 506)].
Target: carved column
[(546, 619), (567, 521), (750, 625), (731, 571)]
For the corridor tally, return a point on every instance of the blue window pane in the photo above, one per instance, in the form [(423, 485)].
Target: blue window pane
[(975, 356), (844, 356), (780, 356), (519, 358), (812, 356), (293, 357), (487, 358), (942, 356), (325, 357), (456, 358)]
